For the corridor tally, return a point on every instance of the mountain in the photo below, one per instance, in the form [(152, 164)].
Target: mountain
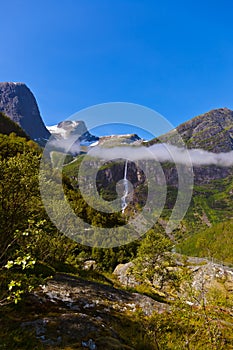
[(7, 126), (67, 128), (119, 140), (212, 131), (70, 128), (83, 139), (213, 185), (19, 104)]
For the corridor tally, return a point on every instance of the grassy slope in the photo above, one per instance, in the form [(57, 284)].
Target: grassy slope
[(214, 242)]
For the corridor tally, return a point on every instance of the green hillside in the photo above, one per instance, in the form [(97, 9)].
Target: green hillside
[(7, 126), (215, 242), (211, 203)]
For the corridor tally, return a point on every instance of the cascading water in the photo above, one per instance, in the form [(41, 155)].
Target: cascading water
[(126, 189)]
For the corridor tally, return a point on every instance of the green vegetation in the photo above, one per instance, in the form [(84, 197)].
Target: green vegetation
[(7, 126), (153, 256), (32, 250), (192, 327), (215, 243), (27, 238)]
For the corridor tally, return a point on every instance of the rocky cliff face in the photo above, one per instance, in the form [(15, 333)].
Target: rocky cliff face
[(19, 104), (212, 131)]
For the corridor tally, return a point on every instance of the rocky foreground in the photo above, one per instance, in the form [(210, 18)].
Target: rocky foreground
[(84, 314), (73, 311)]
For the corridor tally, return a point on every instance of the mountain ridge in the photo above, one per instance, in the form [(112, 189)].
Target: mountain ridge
[(210, 131)]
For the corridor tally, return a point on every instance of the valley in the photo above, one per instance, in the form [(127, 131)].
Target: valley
[(161, 290)]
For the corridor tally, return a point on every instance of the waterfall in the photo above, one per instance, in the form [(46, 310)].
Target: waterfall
[(126, 189)]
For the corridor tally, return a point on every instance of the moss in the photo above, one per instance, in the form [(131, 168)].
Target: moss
[(109, 343)]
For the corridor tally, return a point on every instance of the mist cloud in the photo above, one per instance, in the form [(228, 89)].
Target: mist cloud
[(165, 153), (67, 145)]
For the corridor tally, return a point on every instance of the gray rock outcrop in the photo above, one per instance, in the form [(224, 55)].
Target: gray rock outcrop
[(83, 313), (19, 104)]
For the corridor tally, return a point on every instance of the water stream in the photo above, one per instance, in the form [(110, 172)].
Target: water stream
[(126, 189)]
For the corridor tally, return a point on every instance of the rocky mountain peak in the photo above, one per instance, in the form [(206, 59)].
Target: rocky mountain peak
[(73, 128), (19, 104), (211, 131), (67, 128)]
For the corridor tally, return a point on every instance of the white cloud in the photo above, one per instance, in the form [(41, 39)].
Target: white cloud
[(165, 153)]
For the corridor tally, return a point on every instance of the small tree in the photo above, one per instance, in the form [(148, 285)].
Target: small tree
[(154, 260)]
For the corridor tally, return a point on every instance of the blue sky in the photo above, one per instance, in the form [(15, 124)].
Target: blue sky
[(172, 56)]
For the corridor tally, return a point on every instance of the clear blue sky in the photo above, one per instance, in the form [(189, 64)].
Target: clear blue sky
[(172, 56)]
